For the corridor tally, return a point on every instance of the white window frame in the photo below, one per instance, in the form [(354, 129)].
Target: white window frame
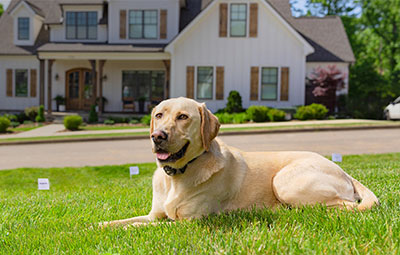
[(247, 20), (278, 93), (213, 83)]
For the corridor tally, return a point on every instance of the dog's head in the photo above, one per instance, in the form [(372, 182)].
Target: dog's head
[(181, 129)]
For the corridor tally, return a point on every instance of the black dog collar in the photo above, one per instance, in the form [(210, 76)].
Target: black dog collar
[(173, 171)]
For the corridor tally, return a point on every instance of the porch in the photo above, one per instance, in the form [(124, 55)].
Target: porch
[(128, 83)]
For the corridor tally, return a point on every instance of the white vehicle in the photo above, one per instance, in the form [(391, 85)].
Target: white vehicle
[(392, 111)]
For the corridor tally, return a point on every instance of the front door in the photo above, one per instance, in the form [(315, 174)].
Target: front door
[(79, 89)]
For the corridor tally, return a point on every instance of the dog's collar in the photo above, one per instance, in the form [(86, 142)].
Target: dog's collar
[(173, 171)]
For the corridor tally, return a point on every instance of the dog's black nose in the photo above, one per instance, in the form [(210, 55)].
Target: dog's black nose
[(159, 136)]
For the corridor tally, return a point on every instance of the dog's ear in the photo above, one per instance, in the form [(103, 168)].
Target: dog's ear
[(209, 126), (152, 120)]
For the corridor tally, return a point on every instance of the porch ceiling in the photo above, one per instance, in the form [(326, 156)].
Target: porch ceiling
[(102, 51)]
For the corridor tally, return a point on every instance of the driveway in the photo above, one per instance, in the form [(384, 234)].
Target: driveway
[(139, 151)]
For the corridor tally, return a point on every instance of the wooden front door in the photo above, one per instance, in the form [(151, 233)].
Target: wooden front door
[(79, 89)]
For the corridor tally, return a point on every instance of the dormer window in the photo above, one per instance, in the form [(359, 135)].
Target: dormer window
[(143, 24), (81, 25), (23, 28)]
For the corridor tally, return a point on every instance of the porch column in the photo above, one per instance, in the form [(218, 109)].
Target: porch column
[(101, 103), (167, 64), (41, 81), (94, 80), (49, 84)]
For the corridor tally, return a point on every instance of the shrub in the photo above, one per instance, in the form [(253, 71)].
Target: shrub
[(4, 124), (21, 117), (258, 113), (134, 121), (93, 117), (11, 117), (276, 115), (73, 122), (234, 102), (311, 112), (224, 118), (109, 122), (15, 124), (32, 112), (239, 118), (40, 117), (146, 119), (119, 119)]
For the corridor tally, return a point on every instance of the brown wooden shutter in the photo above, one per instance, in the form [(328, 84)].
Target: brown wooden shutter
[(122, 24), (33, 82), (9, 82), (190, 82), (163, 24), (284, 83), (220, 82), (223, 20), (253, 19), (254, 83)]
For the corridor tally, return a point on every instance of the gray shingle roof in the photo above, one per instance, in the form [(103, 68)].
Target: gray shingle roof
[(326, 35), (97, 47)]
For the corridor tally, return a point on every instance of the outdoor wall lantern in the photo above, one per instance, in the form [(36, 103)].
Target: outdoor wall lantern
[(57, 77), (104, 78)]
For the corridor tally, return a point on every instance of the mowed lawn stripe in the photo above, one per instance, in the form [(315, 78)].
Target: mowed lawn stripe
[(60, 220)]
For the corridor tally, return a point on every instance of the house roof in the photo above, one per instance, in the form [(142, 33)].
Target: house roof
[(327, 35), (98, 47)]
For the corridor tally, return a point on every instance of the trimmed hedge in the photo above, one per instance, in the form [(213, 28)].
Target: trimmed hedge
[(73, 122), (4, 124), (258, 113), (311, 112), (236, 118), (40, 117), (276, 115), (146, 120)]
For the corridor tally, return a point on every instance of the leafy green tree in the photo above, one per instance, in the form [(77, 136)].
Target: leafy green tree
[(1, 9)]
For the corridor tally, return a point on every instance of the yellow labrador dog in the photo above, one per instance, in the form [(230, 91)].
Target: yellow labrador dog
[(198, 174)]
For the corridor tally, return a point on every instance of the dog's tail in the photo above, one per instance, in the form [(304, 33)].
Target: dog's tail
[(368, 198)]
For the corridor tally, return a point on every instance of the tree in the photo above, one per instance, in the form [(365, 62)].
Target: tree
[(381, 18), (1, 9)]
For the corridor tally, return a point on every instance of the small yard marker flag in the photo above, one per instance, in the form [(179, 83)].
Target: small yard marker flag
[(43, 184), (133, 170), (336, 157)]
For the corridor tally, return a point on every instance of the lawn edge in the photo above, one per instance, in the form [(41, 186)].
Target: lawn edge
[(222, 133)]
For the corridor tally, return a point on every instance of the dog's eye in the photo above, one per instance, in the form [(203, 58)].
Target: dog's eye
[(182, 117), (158, 115)]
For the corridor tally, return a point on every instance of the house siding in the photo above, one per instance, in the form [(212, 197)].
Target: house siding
[(275, 46), (172, 7), (17, 62)]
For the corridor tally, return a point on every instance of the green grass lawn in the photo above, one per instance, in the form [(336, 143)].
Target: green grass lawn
[(58, 221), (110, 127)]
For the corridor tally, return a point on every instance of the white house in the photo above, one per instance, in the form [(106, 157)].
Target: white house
[(149, 50)]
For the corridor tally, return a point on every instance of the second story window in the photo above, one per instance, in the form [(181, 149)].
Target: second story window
[(81, 25), (143, 24), (238, 20), (23, 28)]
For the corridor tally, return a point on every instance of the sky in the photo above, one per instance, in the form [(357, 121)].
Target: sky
[(300, 3), (5, 3)]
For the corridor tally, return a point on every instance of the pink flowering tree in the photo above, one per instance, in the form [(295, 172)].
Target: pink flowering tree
[(325, 82)]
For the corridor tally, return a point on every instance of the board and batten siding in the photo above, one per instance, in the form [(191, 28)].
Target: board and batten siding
[(30, 63), (168, 20), (274, 46)]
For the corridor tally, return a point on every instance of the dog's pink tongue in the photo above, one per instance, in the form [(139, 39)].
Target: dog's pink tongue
[(162, 156)]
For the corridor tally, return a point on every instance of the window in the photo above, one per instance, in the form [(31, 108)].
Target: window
[(23, 28), (205, 82), (143, 84), (81, 25), (143, 24), (269, 87), (21, 83), (238, 21)]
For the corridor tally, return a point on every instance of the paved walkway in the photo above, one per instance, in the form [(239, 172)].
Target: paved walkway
[(56, 129), (139, 151)]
